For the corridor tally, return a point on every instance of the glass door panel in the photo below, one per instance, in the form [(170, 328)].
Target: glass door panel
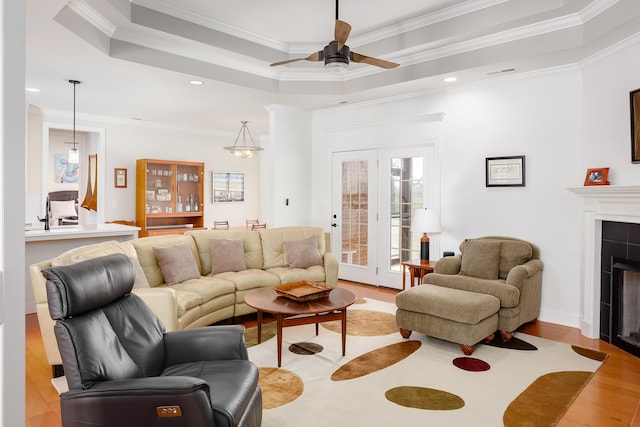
[(355, 215)]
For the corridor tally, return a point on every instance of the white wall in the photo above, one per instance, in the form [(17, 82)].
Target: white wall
[(608, 79), (285, 164), (537, 115), (12, 186), (128, 141)]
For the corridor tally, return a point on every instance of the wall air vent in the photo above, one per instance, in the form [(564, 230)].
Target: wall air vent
[(498, 72)]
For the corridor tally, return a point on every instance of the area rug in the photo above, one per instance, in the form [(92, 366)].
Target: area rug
[(386, 380)]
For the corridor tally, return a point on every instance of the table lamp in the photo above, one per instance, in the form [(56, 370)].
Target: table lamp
[(425, 221)]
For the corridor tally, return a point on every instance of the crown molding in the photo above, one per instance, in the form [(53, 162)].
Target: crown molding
[(211, 23), (60, 116), (89, 14), (426, 20)]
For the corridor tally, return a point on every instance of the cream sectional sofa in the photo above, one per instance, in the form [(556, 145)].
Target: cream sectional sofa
[(207, 298)]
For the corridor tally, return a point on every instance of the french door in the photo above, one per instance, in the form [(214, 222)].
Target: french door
[(375, 193), (355, 209)]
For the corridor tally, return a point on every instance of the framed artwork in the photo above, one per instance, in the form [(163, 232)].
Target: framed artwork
[(506, 171), (634, 103), (596, 176), (65, 172), (120, 177), (228, 187)]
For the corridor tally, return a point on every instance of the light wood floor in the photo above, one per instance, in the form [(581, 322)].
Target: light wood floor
[(611, 398)]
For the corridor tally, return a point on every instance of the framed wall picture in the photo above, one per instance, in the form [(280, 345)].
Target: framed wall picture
[(228, 187), (597, 176), (506, 171), (634, 103), (120, 177)]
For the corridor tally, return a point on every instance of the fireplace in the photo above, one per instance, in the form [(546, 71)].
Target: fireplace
[(625, 305), (620, 285), (605, 205)]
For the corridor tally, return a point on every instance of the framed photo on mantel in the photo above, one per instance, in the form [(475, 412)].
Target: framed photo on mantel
[(505, 171)]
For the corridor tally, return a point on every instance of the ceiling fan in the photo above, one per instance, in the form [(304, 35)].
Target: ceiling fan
[(336, 55)]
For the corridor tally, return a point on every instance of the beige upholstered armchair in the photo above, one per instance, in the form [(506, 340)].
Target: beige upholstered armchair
[(507, 268)]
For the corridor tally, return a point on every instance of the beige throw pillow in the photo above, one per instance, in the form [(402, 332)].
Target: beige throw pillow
[(176, 263), (480, 258), (227, 255), (302, 253), (141, 279)]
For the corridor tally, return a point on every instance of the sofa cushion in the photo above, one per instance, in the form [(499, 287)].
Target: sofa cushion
[(250, 242), (314, 273), (250, 279), (96, 250), (195, 292), (273, 243), (227, 255), (513, 253), (144, 247), (302, 253), (63, 208), (480, 258), (176, 263), (508, 295)]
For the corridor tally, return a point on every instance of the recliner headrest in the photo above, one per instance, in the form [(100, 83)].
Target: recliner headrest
[(77, 288)]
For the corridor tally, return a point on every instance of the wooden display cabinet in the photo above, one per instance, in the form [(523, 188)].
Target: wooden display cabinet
[(169, 196)]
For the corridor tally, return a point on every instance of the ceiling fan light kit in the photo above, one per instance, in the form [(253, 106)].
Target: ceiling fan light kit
[(336, 54), (336, 60)]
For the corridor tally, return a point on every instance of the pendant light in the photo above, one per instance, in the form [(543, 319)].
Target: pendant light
[(244, 151), (74, 155)]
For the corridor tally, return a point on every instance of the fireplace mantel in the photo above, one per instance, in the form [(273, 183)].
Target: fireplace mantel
[(601, 203), (607, 191)]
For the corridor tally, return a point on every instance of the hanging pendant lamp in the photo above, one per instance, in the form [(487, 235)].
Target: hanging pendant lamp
[(244, 150), (74, 155)]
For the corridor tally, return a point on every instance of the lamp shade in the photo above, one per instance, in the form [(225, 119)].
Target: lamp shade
[(425, 221)]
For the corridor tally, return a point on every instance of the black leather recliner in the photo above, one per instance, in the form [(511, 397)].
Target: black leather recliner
[(124, 370)]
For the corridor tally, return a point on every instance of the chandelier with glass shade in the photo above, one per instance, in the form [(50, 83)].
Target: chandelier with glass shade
[(244, 150)]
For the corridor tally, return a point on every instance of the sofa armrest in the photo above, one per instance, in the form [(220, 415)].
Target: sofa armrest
[(162, 301), (449, 265), (331, 269), (221, 342), (519, 274)]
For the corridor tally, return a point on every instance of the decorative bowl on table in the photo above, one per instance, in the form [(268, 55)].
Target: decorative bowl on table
[(304, 290)]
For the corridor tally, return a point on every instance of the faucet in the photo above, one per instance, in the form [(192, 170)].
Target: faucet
[(46, 216)]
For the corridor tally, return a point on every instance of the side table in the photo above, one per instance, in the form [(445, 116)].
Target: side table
[(417, 269)]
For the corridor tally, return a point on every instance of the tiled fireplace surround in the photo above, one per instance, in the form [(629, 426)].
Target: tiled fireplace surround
[(618, 207)]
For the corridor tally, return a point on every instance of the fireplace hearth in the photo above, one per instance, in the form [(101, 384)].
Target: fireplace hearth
[(620, 285), (625, 305)]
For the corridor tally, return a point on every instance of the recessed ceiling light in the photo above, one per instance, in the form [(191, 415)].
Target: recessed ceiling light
[(196, 82), (32, 89), (450, 79)]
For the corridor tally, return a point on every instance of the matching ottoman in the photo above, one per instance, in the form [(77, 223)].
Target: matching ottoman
[(463, 317)]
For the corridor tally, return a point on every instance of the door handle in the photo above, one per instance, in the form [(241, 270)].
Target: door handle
[(334, 224)]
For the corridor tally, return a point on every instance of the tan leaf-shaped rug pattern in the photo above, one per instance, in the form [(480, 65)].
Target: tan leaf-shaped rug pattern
[(546, 399), (375, 360), (279, 387)]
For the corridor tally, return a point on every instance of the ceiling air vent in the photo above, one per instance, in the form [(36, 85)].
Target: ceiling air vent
[(506, 70)]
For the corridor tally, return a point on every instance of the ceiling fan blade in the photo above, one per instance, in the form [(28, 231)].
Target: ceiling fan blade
[(341, 33), (356, 57), (316, 56)]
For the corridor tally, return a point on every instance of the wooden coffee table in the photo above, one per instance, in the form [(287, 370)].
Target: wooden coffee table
[(292, 313)]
